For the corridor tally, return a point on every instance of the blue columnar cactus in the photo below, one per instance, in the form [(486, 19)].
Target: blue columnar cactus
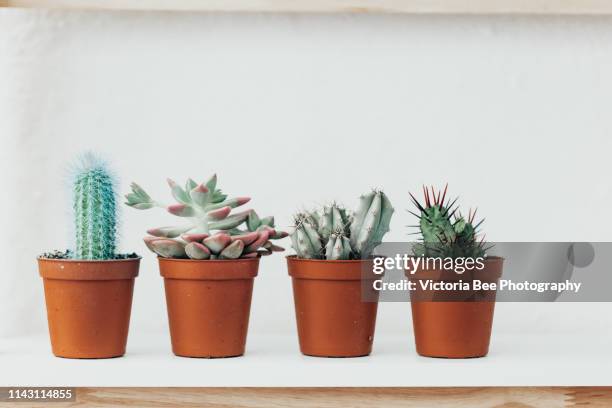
[(95, 209)]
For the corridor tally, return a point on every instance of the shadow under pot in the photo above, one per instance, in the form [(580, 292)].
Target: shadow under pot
[(335, 306), (88, 305), (454, 323), (209, 303)]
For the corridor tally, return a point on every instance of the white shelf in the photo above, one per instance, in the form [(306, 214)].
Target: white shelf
[(577, 7), (515, 360)]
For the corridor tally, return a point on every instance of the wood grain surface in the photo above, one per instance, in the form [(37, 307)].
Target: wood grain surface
[(586, 7), (472, 397)]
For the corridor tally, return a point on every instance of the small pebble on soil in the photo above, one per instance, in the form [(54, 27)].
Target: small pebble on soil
[(68, 254)]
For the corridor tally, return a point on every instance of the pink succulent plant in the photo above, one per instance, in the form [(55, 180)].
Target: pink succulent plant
[(212, 231)]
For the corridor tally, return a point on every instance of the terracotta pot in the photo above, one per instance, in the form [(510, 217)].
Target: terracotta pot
[(332, 318), (208, 305), (88, 305), (454, 324)]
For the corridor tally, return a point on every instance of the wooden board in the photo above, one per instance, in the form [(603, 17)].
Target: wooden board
[(577, 7), (499, 397)]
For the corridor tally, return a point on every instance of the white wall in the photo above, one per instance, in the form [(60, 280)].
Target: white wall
[(297, 110)]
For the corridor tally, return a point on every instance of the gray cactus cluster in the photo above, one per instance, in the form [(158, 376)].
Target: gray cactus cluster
[(334, 233)]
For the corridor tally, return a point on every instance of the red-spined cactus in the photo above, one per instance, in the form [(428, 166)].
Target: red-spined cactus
[(444, 232), (212, 231)]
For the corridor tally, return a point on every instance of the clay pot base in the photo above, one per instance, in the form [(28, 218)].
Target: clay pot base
[(452, 358), (89, 358), (321, 356), (209, 357)]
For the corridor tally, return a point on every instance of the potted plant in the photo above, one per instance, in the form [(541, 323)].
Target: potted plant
[(332, 271), (455, 322), (88, 290), (208, 265)]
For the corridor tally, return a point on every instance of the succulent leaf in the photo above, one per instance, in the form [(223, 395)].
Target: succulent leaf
[(195, 250), (190, 184), (181, 210), (138, 198), (230, 222), (211, 183), (216, 243), (232, 202), (233, 250), (178, 193), (168, 232), (271, 247), (269, 221), (168, 248), (253, 221), (219, 214), (261, 239), (194, 237), (211, 222), (200, 195), (148, 241), (279, 235), (247, 238)]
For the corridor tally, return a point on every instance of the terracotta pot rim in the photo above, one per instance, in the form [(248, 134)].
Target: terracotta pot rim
[(294, 258), (330, 270), (209, 261), (72, 260), (206, 269), (75, 270)]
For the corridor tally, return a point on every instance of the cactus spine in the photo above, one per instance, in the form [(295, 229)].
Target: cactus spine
[(444, 231), (338, 247), (334, 234), (305, 238), (95, 210), (334, 219)]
